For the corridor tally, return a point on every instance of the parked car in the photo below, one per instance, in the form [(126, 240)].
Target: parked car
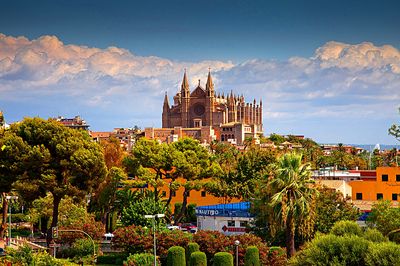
[(189, 227), (2, 252), (173, 227)]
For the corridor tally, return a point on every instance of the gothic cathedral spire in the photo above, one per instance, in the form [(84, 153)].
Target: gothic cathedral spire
[(209, 84), (185, 90)]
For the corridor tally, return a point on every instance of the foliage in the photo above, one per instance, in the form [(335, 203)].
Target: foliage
[(291, 196), (383, 254), (25, 257), (80, 248), (342, 228), (104, 200), (113, 259), (176, 256), (333, 250), (394, 130), (252, 257), (140, 259), (136, 239), (373, 235), (331, 207), (241, 172), (56, 159), (198, 258), (133, 239), (191, 247), (211, 242), (169, 238), (134, 213), (223, 259), (384, 217)]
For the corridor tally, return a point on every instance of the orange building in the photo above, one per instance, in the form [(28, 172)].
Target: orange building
[(200, 198), (386, 186)]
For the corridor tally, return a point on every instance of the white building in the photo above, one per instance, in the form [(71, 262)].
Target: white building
[(230, 219)]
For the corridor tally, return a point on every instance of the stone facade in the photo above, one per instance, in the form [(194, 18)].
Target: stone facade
[(203, 107), (204, 115)]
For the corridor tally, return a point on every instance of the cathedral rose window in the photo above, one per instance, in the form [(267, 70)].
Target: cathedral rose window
[(199, 109)]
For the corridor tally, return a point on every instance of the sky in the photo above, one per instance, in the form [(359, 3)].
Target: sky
[(329, 70)]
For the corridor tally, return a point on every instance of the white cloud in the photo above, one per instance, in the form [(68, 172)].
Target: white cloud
[(339, 81)]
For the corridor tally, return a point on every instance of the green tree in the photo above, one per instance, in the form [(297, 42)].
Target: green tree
[(150, 162), (61, 161), (193, 165), (384, 217), (394, 130), (13, 154), (135, 211), (331, 207), (292, 194), (104, 201)]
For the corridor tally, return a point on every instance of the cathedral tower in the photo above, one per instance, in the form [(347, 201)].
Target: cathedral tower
[(210, 99)]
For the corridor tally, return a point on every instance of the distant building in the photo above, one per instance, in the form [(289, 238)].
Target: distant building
[(207, 116), (329, 148), (229, 219), (77, 122), (126, 136)]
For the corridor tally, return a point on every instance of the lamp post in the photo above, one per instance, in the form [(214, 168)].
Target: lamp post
[(160, 215), (237, 243), (9, 198)]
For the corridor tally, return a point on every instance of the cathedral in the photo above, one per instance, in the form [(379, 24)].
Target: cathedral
[(203, 107)]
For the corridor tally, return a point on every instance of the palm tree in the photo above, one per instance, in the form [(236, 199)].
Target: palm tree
[(291, 194)]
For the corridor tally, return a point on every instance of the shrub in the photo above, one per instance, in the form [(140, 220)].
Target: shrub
[(192, 247), (385, 254), (374, 235), (133, 239), (198, 258), (342, 228), (252, 257), (333, 250), (140, 259), (223, 259), (211, 242), (114, 259), (176, 256), (169, 238)]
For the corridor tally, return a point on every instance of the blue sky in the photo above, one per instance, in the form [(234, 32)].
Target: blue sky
[(326, 69)]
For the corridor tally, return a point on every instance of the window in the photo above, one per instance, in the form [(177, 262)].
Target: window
[(358, 196), (398, 178), (379, 196), (203, 194), (385, 178), (231, 223), (243, 223), (394, 196)]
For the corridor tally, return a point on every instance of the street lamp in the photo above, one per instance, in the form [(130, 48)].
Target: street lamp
[(160, 215), (237, 243), (9, 198)]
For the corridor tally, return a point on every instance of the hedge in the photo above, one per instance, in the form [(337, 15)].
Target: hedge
[(252, 257), (192, 247), (176, 256), (223, 259), (198, 258)]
